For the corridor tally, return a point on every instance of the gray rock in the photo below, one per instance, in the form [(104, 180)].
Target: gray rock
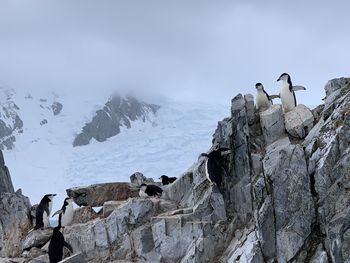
[(41, 259), (137, 179), (76, 258), (14, 223), (299, 121), (286, 169), (272, 124), (96, 195), (12, 260), (83, 215), (249, 100), (110, 206), (43, 122), (37, 238), (5, 180), (246, 250), (116, 113), (56, 108)]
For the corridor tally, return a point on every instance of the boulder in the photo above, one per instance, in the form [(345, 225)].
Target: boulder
[(110, 206), (83, 215), (14, 223), (37, 238), (137, 179), (56, 108), (76, 258), (292, 204), (272, 124), (299, 121), (96, 195)]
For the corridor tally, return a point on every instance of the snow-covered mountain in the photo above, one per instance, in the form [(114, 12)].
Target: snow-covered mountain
[(166, 139)]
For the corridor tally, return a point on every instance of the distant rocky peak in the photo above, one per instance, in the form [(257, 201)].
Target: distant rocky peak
[(119, 111), (10, 122)]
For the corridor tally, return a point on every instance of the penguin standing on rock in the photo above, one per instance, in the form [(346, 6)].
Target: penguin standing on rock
[(43, 211), (150, 190), (213, 165), (167, 180), (287, 95), (66, 213), (56, 245), (263, 100)]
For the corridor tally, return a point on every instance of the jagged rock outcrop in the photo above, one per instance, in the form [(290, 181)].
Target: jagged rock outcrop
[(10, 121), (299, 121), (56, 107), (14, 215), (282, 199), (118, 112), (97, 194)]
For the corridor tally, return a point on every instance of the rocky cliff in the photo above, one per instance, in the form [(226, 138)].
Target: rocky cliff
[(284, 196), (118, 112)]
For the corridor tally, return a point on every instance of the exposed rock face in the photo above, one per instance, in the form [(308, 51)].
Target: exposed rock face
[(116, 113), (96, 195), (5, 178), (137, 179), (10, 121), (56, 108), (272, 124), (281, 200), (14, 215), (299, 121)]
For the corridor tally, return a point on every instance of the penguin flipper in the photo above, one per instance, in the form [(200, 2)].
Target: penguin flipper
[(57, 212), (298, 87), (68, 246), (274, 97)]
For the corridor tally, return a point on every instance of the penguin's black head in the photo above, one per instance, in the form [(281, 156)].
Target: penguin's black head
[(203, 155), (143, 185), (49, 197), (164, 177), (68, 200), (219, 152), (284, 77), (259, 86)]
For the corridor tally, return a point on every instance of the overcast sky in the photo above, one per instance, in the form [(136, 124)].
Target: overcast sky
[(195, 50)]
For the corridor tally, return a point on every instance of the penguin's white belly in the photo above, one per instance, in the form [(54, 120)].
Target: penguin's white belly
[(46, 216), (67, 217), (262, 101), (142, 193), (287, 99)]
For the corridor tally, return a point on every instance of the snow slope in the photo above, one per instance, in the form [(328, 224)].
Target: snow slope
[(44, 160)]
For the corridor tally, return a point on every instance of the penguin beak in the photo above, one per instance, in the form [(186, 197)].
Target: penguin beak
[(279, 79)]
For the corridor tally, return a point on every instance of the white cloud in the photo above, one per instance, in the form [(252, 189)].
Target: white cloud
[(189, 49)]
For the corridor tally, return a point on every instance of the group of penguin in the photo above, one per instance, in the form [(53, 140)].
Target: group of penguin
[(287, 95), (66, 213), (213, 170)]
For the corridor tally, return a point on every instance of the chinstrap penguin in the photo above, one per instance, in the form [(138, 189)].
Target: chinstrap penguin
[(150, 190), (66, 213), (167, 180), (42, 213), (213, 165), (287, 94), (56, 245), (263, 100)]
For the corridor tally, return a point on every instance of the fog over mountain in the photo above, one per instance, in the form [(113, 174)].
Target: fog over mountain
[(193, 50)]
